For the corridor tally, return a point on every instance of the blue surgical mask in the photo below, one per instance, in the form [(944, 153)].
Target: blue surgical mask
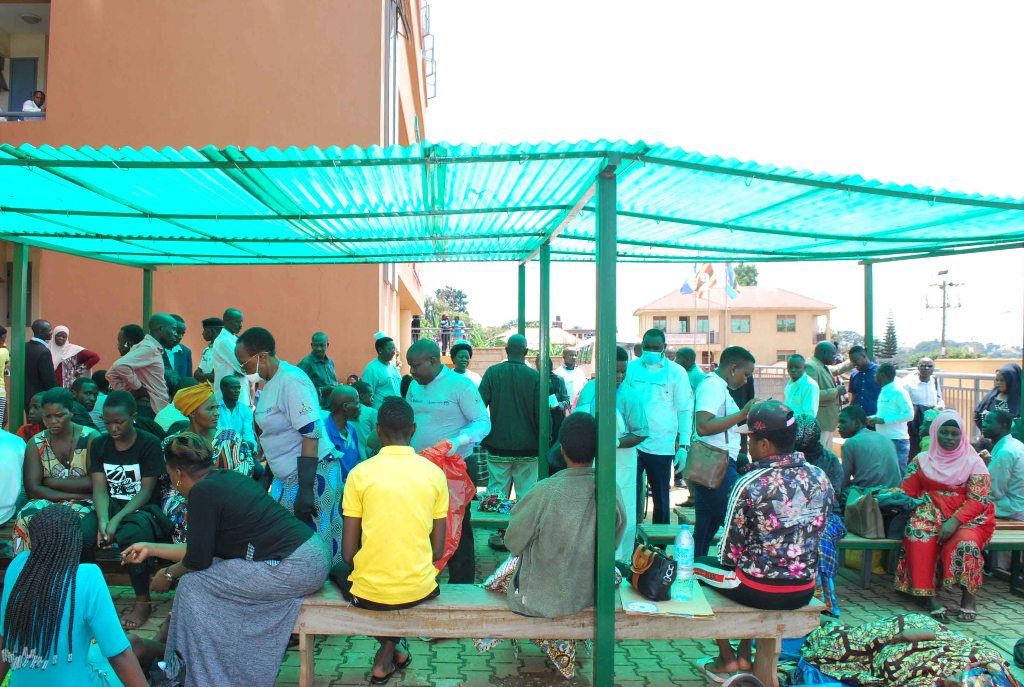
[(651, 357)]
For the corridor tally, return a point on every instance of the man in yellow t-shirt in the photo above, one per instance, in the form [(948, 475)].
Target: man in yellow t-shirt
[(394, 507)]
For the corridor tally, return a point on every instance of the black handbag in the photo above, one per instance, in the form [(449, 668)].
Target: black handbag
[(170, 673), (652, 573)]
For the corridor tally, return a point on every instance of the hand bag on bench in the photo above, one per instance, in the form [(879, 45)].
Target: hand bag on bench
[(653, 573)]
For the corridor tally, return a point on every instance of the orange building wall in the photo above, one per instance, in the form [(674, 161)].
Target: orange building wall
[(229, 72), (195, 72)]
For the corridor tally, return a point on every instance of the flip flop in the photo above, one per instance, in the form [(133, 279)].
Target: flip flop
[(403, 646), (967, 616), (709, 675), (383, 680), (939, 614)]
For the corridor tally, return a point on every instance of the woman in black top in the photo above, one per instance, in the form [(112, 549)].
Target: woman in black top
[(242, 575)]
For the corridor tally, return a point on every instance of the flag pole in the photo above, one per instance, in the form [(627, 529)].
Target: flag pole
[(727, 326)]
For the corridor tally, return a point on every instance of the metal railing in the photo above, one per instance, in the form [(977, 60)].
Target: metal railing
[(17, 116), (961, 391)]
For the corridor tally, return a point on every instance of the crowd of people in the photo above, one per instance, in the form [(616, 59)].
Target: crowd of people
[(246, 482)]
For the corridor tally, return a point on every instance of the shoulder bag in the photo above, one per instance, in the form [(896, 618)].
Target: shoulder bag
[(706, 465)]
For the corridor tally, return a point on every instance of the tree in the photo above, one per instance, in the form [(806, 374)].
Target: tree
[(847, 339), (746, 274), (889, 346), (452, 299)]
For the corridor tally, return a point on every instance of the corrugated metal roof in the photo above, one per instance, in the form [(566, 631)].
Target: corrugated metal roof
[(448, 202)]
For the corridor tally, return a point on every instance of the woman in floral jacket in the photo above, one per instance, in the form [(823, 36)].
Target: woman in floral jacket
[(768, 557)]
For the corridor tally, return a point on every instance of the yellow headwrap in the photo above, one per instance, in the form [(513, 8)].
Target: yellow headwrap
[(189, 399)]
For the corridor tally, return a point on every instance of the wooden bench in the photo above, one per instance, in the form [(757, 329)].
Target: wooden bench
[(463, 611), (1008, 536), (495, 521)]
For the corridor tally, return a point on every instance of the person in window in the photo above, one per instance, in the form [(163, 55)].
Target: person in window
[(56, 471), (248, 563), (125, 465), (37, 103), (54, 609), (952, 524), (307, 475)]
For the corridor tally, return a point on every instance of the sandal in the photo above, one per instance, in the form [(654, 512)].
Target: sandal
[(383, 680), (711, 676), (939, 614), (403, 646), (967, 616)]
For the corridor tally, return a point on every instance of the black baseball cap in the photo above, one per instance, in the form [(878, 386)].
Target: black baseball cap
[(767, 416)]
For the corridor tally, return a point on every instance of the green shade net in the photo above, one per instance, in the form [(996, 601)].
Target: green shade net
[(434, 202)]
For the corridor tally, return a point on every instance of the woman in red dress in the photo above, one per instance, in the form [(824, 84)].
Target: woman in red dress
[(952, 524)]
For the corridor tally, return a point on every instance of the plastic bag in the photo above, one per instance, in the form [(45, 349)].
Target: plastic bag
[(461, 491)]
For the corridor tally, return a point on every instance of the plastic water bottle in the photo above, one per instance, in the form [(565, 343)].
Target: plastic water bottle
[(682, 588)]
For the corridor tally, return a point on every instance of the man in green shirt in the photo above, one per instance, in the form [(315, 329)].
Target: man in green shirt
[(510, 391)]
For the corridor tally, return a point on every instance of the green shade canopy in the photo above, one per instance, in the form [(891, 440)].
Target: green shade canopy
[(434, 202)]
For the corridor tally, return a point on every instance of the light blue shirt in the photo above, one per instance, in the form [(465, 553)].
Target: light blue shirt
[(1007, 471), (240, 420), (448, 406), (95, 618)]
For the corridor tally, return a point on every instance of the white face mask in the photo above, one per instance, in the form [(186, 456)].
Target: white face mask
[(651, 357), (254, 378)]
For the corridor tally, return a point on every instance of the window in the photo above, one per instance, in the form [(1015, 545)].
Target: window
[(783, 356), (660, 322), (785, 323), (741, 324), (684, 325), (703, 326)]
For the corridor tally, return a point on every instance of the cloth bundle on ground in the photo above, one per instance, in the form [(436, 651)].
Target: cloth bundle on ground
[(561, 652), (461, 491), (904, 651)]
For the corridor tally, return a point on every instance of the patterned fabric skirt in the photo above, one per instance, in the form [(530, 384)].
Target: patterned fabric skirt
[(327, 495), (19, 538), (561, 652), (828, 563), (924, 563)]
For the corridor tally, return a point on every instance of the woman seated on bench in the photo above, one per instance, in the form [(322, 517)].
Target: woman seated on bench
[(395, 507), (242, 573), (768, 557), (953, 524)]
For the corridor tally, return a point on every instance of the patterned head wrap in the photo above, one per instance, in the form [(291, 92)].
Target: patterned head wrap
[(191, 398), (808, 435)]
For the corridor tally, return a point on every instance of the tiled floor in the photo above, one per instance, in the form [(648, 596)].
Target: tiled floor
[(451, 663)]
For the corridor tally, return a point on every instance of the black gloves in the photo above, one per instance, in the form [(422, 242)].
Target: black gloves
[(305, 499)]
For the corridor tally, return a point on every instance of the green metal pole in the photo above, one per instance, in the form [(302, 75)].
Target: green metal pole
[(522, 298), (869, 310), (16, 341), (604, 587), (147, 296), (544, 360)]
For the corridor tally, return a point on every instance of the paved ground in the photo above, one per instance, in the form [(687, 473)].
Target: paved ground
[(450, 663)]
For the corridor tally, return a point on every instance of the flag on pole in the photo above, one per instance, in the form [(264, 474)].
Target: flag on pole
[(731, 290), (702, 279)]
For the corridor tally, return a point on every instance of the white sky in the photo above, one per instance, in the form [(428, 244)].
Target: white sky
[(913, 92)]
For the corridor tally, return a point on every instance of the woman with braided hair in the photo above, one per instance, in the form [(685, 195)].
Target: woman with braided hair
[(53, 608)]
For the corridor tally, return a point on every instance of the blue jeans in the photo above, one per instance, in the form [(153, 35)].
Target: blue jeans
[(659, 475), (902, 453), (710, 507)]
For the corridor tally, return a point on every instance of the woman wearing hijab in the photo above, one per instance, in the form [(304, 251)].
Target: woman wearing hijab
[(70, 361), (954, 521), (230, 452), (1004, 396)]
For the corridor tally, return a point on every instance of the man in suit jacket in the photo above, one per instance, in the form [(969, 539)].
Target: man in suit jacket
[(177, 358), (39, 371)]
